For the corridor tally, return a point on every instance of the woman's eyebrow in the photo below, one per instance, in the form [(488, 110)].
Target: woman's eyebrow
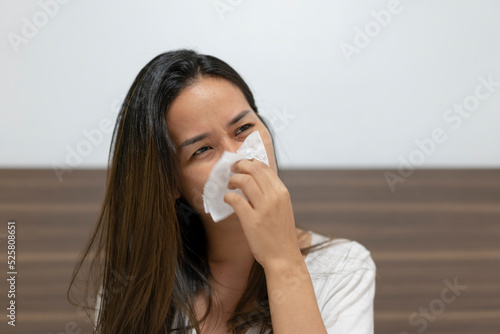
[(202, 136), (237, 118)]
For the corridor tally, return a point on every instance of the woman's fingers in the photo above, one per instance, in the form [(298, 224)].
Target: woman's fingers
[(267, 218), (241, 207), (262, 174), (247, 184)]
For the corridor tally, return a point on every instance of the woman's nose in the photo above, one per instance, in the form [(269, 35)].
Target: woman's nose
[(231, 145)]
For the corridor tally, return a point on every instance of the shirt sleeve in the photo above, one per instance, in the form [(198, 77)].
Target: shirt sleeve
[(347, 295)]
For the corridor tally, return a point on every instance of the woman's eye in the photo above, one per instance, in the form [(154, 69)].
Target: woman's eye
[(198, 151), (245, 127), (240, 130)]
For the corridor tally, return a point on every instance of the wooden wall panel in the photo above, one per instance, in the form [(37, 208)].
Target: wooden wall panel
[(437, 225)]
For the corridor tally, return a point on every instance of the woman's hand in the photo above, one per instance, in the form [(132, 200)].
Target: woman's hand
[(269, 226), (267, 217)]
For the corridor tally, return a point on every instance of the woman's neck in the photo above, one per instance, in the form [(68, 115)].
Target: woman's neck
[(227, 245), (226, 242)]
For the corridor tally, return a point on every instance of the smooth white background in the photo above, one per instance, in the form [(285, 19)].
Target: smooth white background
[(327, 112)]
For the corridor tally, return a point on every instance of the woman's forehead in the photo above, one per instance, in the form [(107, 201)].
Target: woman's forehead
[(209, 100)]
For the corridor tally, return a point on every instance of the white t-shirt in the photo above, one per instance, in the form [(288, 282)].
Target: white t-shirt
[(343, 277)]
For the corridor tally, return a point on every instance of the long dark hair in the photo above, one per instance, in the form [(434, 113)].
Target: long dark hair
[(147, 252)]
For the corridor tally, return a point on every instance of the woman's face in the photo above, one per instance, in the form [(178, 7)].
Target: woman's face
[(217, 108)]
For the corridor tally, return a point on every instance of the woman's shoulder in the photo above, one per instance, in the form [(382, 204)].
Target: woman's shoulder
[(337, 255), (343, 275)]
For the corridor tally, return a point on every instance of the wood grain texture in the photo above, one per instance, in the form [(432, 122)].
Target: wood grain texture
[(436, 227)]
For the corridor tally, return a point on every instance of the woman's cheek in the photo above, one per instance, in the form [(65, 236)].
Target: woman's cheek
[(196, 192), (198, 203)]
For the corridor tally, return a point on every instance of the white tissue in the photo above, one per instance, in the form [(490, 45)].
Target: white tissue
[(216, 186)]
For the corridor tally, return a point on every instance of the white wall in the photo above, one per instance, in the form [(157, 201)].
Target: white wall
[(329, 109)]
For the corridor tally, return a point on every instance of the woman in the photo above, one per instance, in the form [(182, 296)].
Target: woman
[(164, 266)]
